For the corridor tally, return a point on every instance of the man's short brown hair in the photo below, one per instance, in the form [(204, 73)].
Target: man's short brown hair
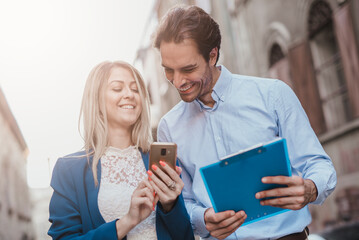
[(189, 22)]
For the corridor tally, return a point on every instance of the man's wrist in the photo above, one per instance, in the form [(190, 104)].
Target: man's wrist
[(204, 215), (313, 190)]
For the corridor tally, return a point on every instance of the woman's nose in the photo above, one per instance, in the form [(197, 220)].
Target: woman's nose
[(128, 93)]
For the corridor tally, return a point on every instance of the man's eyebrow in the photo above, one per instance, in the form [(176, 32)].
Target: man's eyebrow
[(185, 67), (189, 66)]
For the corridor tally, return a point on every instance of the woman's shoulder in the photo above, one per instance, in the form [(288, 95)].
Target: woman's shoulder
[(75, 160), (69, 167)]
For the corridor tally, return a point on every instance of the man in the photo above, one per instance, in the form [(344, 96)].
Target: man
[(222, 113)]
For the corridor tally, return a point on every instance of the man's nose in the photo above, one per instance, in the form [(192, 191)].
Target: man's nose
[(178, 79)]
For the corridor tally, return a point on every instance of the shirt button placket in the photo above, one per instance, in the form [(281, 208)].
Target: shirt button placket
[(216, 134)]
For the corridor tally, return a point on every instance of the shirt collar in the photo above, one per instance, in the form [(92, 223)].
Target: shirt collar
[(220, 89), (222, 84)]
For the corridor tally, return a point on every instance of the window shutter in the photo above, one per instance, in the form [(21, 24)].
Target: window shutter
[(349, 54), (305, 85)]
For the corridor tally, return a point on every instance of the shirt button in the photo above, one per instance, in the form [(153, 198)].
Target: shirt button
[(218, 139)]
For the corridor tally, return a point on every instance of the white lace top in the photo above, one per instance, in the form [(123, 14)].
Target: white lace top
[(121, 172)]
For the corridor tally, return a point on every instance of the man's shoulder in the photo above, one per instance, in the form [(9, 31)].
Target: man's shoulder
[(178, 110), (261, 85), (260, 81)]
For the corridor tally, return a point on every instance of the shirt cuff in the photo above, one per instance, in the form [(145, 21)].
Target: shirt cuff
[(198, 222), (319, 183)]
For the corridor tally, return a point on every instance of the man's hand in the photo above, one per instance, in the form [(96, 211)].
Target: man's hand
[(298, 194), (221, 225)]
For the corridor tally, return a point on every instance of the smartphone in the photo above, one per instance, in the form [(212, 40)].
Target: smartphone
[(165, 151)]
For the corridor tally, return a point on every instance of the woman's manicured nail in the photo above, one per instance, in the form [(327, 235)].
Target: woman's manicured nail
[(162, 163), (154, 167), (149, 172)]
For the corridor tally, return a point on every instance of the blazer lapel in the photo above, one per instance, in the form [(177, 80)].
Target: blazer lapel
[(92, 192), (145, 159)]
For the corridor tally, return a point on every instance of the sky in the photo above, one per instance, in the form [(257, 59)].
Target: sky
[(47, 49)]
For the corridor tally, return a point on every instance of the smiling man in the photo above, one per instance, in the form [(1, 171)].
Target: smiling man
[(222, 113), (188, 71)]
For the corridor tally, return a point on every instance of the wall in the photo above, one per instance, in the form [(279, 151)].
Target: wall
[(15, 203)]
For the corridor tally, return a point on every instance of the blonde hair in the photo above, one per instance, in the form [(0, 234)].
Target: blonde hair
[(93, 113)]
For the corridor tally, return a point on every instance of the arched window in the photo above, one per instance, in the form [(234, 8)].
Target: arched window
[(320, 15), (275, 55), (328, 65), (279, 65)]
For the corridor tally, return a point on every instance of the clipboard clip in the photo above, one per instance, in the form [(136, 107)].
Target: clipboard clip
[(258, 147), (254, 150)]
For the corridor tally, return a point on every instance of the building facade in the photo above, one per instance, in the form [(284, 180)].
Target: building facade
[(15, 204), (312, 45)]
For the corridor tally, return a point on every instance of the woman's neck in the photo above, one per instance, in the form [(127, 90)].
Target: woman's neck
[(119, 138)]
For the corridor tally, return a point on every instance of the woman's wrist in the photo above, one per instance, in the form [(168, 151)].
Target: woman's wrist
[(123, 226), (167, 207)]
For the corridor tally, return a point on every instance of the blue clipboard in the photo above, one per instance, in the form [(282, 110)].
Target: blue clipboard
[(233, 182)]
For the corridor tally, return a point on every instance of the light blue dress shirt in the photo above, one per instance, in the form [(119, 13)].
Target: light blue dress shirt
[(248, 111)]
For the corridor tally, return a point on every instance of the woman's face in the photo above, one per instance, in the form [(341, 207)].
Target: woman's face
[(122, 99)]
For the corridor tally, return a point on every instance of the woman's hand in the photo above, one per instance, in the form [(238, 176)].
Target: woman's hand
[(143, 201), (167, 184)]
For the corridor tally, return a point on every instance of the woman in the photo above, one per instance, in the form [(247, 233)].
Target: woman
[(104, 191)]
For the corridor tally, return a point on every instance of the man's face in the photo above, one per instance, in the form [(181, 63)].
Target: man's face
[(186, 69)]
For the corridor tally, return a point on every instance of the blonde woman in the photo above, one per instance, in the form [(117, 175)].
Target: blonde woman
[(104, 192)]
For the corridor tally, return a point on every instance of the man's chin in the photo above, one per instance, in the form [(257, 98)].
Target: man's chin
[(187, 98)]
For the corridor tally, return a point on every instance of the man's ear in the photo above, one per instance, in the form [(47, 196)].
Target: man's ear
[(213, 56)]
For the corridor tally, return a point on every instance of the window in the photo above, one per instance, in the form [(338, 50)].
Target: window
[(328, 66), (279, 65), (276, 54)]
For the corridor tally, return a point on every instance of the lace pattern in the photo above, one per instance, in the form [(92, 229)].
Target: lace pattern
[(121, 172)]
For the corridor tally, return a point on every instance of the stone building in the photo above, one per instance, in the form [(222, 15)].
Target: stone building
[(15, 204), (312, 45)]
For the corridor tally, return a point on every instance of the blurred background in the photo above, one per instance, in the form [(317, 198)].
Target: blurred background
[(48, 48)]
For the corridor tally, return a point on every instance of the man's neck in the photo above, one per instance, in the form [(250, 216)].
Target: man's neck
[(207, 98)]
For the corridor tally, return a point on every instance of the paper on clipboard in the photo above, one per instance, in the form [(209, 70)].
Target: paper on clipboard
[(233, 182)]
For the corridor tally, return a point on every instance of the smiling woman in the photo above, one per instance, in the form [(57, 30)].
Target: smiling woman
[(107, 120), (104, 192)]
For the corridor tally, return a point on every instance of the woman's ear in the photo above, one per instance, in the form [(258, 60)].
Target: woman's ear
[(213, 56)]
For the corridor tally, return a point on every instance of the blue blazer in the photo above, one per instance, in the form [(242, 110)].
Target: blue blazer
[(74, 211)]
